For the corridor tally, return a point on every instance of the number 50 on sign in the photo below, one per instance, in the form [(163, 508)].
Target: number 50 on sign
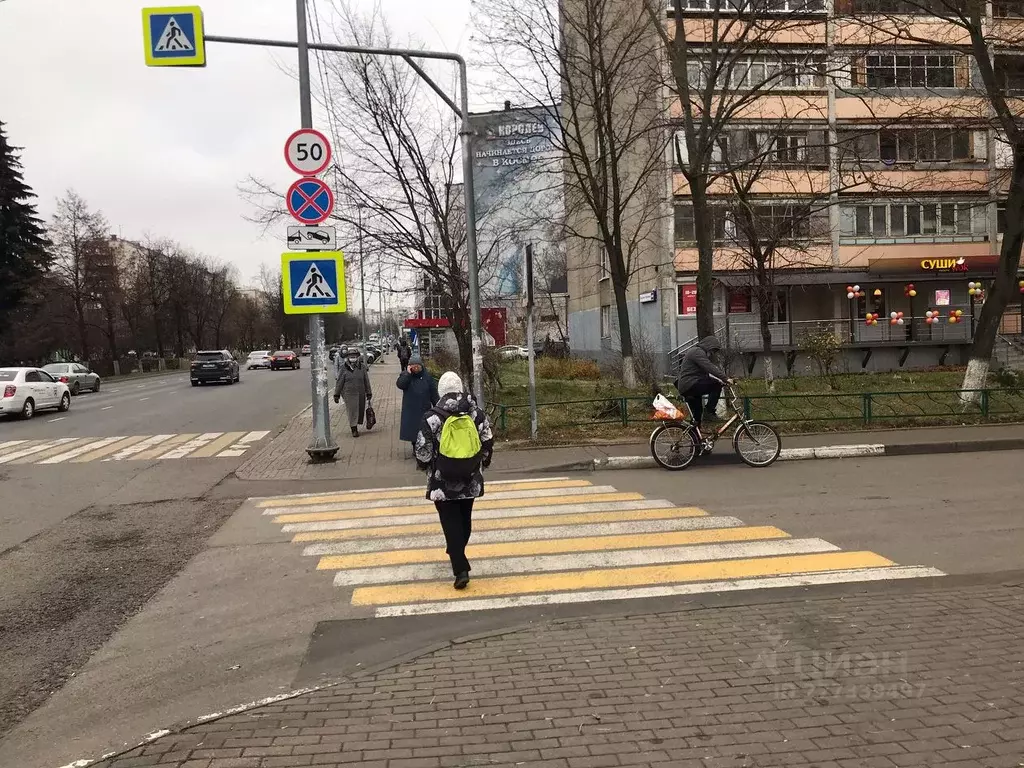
[(307, 152)]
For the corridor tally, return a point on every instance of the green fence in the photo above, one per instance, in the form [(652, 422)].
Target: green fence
[(850, 408)]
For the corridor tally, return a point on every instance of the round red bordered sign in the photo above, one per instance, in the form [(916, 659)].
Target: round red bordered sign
[(307, 152), (310, 201)]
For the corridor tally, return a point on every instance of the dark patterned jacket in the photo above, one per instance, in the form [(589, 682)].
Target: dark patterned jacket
[(440, 488)]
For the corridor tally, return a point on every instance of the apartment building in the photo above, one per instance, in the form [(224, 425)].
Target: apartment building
[(859, 174)]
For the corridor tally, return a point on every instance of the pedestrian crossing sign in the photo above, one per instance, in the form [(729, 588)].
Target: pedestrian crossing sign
[(313, 283), (174, 37)]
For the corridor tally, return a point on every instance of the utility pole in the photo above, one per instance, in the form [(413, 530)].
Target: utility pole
[(322, 447)]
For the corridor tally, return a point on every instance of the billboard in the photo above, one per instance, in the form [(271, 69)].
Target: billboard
[(518, 191)]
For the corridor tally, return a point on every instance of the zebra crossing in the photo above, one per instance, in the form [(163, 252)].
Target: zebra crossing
[(552, 540), (81, 450)]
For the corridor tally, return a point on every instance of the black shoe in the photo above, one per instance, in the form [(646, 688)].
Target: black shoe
[(461, 580), (355, 431)]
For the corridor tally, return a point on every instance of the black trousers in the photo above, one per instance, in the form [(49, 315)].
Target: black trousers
[(457, 524), (694, 397)]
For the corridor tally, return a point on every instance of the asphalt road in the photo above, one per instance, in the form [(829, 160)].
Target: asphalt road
[(249, 618), (84, 546)]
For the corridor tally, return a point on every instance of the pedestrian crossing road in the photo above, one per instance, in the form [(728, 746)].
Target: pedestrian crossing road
[(79, 450), (555, 540)]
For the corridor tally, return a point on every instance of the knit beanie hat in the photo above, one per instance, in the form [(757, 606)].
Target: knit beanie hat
[(449, 384)]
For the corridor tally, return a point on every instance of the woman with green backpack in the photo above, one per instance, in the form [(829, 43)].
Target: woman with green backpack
[(454, 445)]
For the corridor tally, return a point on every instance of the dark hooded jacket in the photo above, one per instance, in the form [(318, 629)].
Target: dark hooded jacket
[(419, 394), (696, 364), (439, 487)]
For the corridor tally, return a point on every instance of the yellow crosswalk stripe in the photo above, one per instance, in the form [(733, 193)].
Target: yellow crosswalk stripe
[(484, 503), (504, 523), (215, 447), (619, 577), (553, 546)]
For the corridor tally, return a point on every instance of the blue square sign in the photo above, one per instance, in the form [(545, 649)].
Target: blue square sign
[(313, 282)]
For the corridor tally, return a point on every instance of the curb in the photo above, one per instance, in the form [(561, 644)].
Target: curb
[(804, 454)]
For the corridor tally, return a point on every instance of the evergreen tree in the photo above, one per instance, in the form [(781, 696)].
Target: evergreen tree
[(23, 244)]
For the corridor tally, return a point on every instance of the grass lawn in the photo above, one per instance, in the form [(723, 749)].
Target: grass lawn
[(799, 404)]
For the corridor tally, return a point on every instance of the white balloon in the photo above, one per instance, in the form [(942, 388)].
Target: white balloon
[(856, 288), (892, 315), (899, 321), (849, 295)]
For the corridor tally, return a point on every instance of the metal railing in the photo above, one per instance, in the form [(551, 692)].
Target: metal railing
[(675, 355), (923, 407)]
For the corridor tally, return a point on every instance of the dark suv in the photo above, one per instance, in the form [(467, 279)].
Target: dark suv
[(216, 365)]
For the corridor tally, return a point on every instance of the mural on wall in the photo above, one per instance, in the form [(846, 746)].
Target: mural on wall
[(516, 167)]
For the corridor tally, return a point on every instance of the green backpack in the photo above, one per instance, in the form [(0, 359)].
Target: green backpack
[(459, 449)]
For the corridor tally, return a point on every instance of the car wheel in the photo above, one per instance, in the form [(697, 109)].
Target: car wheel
[(195, 383), (28, 410), (76, 388), (96, 388), (65, 403)]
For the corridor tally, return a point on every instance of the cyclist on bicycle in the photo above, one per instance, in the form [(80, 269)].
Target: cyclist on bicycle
[(699, 376)]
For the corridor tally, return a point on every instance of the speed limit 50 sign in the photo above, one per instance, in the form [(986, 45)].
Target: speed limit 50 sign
[(307, 152)]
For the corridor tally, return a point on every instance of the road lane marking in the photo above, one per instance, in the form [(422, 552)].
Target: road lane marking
[(59, 418), (484, 514), (162, 447), (215, 447), (141, 399), (598, 523), (149, 442), (239, 448), (799, 580), (62, 457), (49, 445), (109, 449), (106, 408), (427, 509), (140, 386), (554, 546), (642, 576), (265, 501), (197, 442), (360, 497), (577, 560)]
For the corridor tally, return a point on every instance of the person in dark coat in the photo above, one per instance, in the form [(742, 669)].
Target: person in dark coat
[(354, 386), (419, 395), (453, 494), (404, 353), (699, 376)]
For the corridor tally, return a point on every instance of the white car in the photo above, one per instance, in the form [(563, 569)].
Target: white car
[(258, 359), (23, 391), (513, 352)]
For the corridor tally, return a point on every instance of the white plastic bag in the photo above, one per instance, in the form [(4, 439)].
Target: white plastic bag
[(664, 409)]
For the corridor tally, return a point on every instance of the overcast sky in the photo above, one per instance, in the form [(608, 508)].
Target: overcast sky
[(161, 151)]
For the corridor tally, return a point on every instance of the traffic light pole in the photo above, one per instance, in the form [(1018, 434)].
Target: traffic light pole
[(327, 448), (322, 446)]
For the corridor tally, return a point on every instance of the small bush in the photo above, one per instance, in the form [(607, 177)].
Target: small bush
[(1007, 377), (567, 368)]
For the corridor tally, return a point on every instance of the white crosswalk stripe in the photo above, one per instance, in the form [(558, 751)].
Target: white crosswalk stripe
[(129, 448), (551, 540)]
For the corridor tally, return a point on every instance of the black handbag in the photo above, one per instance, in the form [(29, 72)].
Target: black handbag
[(371, 417)]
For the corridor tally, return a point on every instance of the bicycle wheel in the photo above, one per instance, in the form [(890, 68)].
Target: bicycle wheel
[(674, 446), (757, 443)]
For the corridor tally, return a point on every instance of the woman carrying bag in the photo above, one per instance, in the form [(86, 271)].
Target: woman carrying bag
[(354, 386)]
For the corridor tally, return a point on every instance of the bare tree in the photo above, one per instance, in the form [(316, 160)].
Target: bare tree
[(595, 68), (985, 42)]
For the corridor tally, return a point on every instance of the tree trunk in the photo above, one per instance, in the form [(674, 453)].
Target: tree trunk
[(83, 331), (625, 333), (1003, 286), (111, 334), (765, 302), (705, 258)]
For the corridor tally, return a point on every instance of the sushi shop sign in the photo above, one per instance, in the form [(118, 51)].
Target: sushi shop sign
[(940, 266)]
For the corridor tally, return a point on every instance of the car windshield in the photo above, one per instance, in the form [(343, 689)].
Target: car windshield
[(8, 375), (210, 356), (283, 353), (56, 368), (263, 353)]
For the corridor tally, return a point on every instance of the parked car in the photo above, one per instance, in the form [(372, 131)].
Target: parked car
[(305, 350), (214, 365), (284, 358), (23, 391), (514, 353), (75, 375), (258, 359)]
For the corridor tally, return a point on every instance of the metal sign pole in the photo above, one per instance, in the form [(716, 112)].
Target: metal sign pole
[(529, 341), (322, 447)]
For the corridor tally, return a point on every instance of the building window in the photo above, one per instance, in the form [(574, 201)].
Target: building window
[(606, 270), (899, 70), (685, 231), (606, 321), (910, 220), (1010, 73), (930, 145), (760, 6), (887, 7), (1008, 9), (769, 149), (789, 72)]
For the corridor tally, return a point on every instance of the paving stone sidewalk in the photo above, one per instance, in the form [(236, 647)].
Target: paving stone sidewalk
[(877, 680)]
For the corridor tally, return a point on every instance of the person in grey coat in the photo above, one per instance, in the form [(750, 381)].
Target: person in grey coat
[(695, 377), (354, 385)]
